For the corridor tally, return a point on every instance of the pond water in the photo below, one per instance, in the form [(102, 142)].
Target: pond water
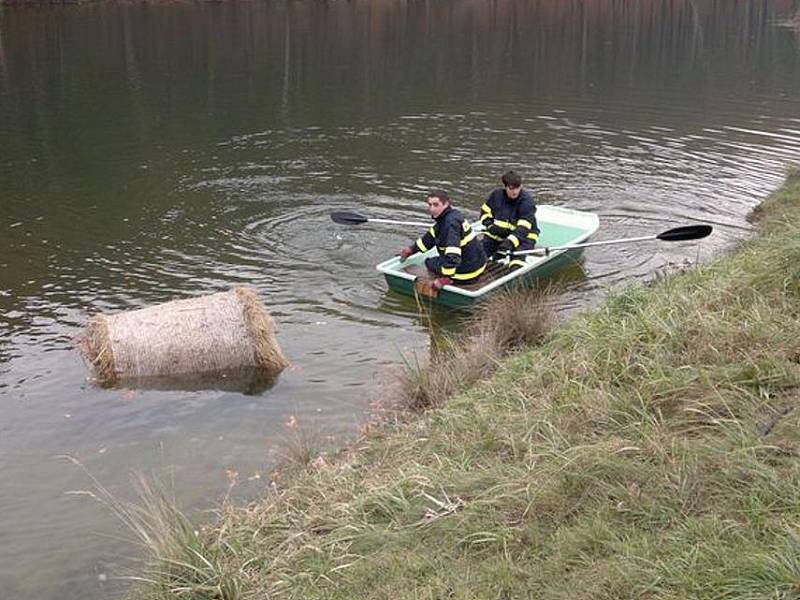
[(152, 152)]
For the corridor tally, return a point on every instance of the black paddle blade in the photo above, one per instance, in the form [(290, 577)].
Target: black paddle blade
[(689, 232), (348, 218)]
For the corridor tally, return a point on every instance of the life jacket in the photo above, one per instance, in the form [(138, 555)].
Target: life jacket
[(461, 256), (512, 219)]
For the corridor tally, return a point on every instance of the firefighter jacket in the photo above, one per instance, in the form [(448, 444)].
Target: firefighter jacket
[(461, 255), (513, 219)]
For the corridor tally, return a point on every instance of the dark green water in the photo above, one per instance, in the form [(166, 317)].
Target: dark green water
[(153, 152)]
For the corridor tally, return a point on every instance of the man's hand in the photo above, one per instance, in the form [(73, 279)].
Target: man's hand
[(495, 230), (505, 247), (405, 253), (440, 282)]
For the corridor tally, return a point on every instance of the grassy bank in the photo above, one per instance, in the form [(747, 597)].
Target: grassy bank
[(647, 449)]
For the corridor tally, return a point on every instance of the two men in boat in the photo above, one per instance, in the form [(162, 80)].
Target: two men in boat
[(461, 257), (509, 219)]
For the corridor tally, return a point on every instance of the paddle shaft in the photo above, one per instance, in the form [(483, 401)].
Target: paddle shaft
[(475, 227), (544, 251), (548, 250), (392, 222)]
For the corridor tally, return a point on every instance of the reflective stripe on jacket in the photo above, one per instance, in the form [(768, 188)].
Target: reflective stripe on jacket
[(512, 219)]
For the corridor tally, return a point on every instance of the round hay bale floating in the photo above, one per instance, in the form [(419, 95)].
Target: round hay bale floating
[(219, 332)]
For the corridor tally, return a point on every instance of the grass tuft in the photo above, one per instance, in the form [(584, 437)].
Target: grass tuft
[(301, 445), (509, 321), (180, 563)]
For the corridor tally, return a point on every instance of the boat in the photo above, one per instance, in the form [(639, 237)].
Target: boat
[(558, 227)]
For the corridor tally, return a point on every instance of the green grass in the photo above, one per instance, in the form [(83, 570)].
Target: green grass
[(648, 449)]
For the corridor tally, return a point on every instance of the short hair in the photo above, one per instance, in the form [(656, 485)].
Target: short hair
[(440, 194), (512, 179)]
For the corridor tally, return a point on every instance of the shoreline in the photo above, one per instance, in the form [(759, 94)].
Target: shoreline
[(646, 447)]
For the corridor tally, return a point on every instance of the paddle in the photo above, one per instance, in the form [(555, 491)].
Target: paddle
[(351, 218), (679, 234)]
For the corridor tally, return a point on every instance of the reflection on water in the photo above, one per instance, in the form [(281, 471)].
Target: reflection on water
[(250, 381), (159, 152)]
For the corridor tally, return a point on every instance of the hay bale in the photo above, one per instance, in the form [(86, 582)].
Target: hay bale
[(215, 333)]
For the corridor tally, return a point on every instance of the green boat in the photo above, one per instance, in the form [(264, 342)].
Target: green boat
[(558, 227)]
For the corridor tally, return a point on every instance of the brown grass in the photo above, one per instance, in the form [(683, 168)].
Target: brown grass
[(261, 327), (95, 345), (510, 320)]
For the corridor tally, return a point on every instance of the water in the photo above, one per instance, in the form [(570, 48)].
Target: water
[(152, 152)]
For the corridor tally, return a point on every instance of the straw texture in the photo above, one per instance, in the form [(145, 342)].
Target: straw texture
[(215, 333)]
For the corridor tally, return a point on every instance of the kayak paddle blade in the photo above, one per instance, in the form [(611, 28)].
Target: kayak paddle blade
[(688, 232), (348, 218)]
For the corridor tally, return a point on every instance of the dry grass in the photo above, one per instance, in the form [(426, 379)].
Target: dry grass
[(300, 445), (261, 329), (515, 319), (182, 562), (510, 320), (95, 344)]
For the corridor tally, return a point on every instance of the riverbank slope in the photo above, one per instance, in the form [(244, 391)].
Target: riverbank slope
[(648, 448)]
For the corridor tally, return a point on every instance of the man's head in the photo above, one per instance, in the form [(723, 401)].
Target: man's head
[(438, 201), (512, 182)]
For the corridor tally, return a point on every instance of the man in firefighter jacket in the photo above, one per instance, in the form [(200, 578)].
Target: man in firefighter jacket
[(509, 216), (461, 258)]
